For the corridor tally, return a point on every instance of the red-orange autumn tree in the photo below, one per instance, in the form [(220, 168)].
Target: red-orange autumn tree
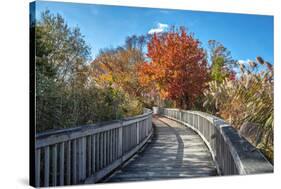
[(177, 68)]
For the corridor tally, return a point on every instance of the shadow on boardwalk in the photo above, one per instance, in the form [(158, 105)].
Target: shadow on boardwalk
[(173, 152)]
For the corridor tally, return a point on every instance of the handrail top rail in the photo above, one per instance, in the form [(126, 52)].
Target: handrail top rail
[(218, 122), (56, 136)]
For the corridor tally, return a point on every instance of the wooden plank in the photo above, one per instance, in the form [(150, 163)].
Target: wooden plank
[(68, 162), (84, 152), (80, 159), (120, 140), (61, 164), (124, 140), (37, 167), (105, 149), (115, 143), (46, 166), (101, 150), (74, 162), (111, 146), (94, 154), (54, 165), (89, 155), (98, 152)]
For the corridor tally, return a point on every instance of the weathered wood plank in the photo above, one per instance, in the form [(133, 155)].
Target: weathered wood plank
[(101, 150), (37, 167), (46, 166), (120, 141), (105, 148), (74, 162), (82, 159), (54, 165), (89, 155), (98, 152), (68, 162), (93, 154), (61, 164), (111, 146), (84, 156)]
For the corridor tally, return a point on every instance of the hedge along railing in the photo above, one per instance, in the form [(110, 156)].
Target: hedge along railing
[(231, 152), (88, 153)]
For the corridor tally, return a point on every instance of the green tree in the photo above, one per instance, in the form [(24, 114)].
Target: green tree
[(61, 56), (222, 63), (217, 71)]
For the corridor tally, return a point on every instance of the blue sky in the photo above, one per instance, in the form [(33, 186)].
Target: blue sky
[(103, 26)]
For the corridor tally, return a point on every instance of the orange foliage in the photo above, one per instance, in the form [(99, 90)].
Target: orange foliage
[(178, 67)]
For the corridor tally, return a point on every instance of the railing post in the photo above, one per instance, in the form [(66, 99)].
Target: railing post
[(89, 155), (198, 124), (180, 115), (93, 154), (68, 163), (54, 165), (138, 132), (193, 120), (37, 168), (61, 159), (146, 127), (120, 140), (46, 165), (74, 162)]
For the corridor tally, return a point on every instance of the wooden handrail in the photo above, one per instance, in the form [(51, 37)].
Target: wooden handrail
[(90, 152), (231, 152)]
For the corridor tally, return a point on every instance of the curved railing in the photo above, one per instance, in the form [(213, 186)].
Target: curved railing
[(88, 153), (231, 152)]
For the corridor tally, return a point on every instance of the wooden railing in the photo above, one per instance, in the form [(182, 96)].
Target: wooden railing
[(231, 152), (88, 153)]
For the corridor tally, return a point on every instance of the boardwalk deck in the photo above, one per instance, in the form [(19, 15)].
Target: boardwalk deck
[(173, 152)]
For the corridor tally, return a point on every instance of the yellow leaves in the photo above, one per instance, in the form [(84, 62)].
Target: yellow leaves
[(105, 78)]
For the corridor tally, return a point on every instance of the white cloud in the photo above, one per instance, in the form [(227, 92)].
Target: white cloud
[(160, 28), (245, 62)]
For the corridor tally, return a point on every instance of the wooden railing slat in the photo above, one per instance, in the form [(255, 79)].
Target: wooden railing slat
[(74, 162), (84, 156), (61, 164), (98, 151), (46, 166), (37, 167), (54, 165), (68, 162), (101, 149), (89, 155), (93, 154), (105, 149), (111, 146)]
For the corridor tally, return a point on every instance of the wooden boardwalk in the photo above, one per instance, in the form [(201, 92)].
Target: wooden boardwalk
[(173, 152)]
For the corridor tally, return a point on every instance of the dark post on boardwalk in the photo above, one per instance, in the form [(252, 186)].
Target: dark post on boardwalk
[(128, 94)]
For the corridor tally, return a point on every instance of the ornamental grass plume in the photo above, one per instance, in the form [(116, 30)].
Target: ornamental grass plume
[(248, 99)]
